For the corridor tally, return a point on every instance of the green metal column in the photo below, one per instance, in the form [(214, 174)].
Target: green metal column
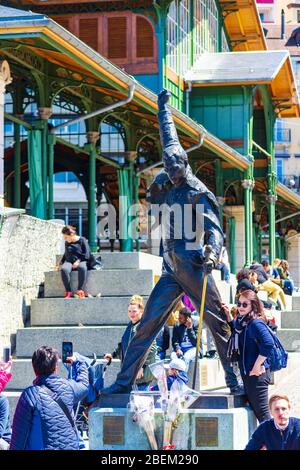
[(44, 114), (91, 148), (136, 202), (219, 187), (125, 201), (35, 167), (271, 175), (17, 166), (231, 229), (162, 13), (51, 143), (248, 185), (272, 198), (248, 182), (45, 164)]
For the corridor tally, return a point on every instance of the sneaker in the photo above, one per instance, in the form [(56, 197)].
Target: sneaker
[(68, 295), (90, 296), (79, 294), (212, 354)]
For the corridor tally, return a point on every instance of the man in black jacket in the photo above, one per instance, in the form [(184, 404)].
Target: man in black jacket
[(184, 338)]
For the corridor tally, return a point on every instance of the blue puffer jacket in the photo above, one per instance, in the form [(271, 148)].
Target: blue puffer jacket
[(39, 422)]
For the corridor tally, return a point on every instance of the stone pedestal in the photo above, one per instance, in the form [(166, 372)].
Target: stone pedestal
[(216, 422), (238, 212), (293, 257)]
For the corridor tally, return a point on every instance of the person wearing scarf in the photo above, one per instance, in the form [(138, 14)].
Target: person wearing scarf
[(249, 347)]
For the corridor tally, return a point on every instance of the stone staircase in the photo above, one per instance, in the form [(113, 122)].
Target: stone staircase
[(94, 325), (289, 325)]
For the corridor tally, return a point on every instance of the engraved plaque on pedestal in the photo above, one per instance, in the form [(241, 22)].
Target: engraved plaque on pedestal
[(204, 375), (113, 430), (206, 432)]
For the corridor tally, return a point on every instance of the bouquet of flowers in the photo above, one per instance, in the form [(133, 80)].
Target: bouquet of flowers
[(143, 407)]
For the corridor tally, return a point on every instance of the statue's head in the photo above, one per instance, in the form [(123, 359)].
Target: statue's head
[(175, 163)]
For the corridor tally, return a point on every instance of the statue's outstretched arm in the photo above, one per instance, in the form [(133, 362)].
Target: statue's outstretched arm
[(167, 129)]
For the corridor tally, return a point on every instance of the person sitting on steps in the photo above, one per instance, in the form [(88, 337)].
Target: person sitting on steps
[(76, 257)]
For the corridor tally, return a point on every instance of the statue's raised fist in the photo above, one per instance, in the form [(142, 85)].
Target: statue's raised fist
[(163, 98)]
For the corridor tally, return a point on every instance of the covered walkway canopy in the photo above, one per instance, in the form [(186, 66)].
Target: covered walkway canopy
[(243, 24), (271, 68)]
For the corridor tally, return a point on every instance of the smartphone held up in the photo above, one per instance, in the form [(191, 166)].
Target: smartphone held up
[(67, 351)]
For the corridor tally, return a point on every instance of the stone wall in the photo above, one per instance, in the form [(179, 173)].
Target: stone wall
[(28, 247)]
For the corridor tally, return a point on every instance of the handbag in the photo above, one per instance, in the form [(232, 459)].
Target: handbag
[(94, 264)]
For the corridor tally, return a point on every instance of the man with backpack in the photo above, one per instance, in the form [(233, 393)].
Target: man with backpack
[(282, 432), (44, 417)]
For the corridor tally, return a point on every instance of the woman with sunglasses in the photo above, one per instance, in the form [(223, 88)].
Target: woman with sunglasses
[(250, 344)]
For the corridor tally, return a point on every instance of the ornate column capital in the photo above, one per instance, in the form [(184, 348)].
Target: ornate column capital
[(248, 184), (92, 137), (45, 113), (131, 155), (271, 198), (5, 73)]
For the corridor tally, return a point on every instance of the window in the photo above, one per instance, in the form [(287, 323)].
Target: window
[(172, 40), (206, 27), (262, 17), (63, 111), (117, 38), (298, 16), (65, 177), (178, 36), (88, 32), (144, 38), (279, 170), (112, 140), (184, 31), (225, 46)]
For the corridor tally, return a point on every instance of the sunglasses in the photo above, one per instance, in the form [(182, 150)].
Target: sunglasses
[(243, 304)]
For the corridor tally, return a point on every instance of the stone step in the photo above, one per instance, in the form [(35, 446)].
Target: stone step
[(290, 338), (23, 374), (124, 282), (86, 340), (290, 319), (130, 260), (295, 301), (13, 398), (72, 312), (293, 363)]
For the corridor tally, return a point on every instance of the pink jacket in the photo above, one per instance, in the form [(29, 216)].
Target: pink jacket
[(4, 378)]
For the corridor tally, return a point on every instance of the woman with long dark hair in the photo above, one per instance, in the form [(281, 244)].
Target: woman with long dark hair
[(250, 344)]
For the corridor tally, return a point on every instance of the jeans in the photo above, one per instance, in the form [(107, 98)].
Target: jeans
[(66, 270), (256, 389), (288, 286)]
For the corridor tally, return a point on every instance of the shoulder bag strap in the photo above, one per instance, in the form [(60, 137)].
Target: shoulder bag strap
[(62, 405)]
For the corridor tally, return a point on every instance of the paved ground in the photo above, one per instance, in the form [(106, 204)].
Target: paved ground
[(290, 385)]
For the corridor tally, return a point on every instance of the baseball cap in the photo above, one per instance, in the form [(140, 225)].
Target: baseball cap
[(176, 363)]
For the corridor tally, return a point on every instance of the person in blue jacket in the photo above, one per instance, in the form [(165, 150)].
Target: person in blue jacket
[(249, 346), (44, 418), (282, 432)]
